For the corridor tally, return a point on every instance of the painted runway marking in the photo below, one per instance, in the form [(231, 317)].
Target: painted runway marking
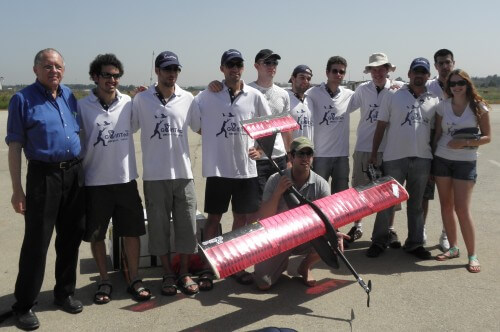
[(496, 163)]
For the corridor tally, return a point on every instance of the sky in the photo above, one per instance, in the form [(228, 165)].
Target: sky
[(302, 32)]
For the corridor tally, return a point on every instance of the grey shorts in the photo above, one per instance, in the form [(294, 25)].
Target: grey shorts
[(166, 199)]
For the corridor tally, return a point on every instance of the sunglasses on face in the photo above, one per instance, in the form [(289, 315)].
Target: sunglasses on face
[(459, 83), (232, 64), (109, 75), (270, 63), (171, 69), (301, 154), (337, 71)]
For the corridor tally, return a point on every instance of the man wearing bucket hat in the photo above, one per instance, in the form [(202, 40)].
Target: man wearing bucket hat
[(313, 187), (228, 152), (407, 114), (299, 109), (368, 98)]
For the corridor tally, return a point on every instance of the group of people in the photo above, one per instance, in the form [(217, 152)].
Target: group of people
[(82, 167)]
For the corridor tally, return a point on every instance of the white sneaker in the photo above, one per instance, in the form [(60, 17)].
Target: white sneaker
[(443, 242)]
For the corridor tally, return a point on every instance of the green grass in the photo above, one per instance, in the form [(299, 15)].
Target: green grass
[(491, 94)]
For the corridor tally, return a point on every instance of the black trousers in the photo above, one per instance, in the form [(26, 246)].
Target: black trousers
[(54, 198)]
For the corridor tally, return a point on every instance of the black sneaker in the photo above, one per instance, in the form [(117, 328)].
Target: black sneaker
[(393, 240), (374, 251), (355, 233), (420, 252)]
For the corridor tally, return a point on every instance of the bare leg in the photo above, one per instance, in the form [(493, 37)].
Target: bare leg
[(99, 252), (305, 266), (211, 228), (132, 246), (462, 191), (446, 198)]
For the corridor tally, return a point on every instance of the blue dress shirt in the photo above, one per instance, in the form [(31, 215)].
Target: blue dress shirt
[(46, 127)]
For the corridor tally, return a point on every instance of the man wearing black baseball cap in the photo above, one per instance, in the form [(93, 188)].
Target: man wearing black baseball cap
[(266, 63), (407, 115), (299, 108), (228, 152)]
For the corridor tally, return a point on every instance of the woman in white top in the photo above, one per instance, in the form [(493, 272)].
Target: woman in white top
[(454, 165)]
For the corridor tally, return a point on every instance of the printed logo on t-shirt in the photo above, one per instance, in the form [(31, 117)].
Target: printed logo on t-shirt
[(163, 128), (106, 136), (451, 128), (414, 116), (372, 113), (303, 120), (229, 126), (330, 117)]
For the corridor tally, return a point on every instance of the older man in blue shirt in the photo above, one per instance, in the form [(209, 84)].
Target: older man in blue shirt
[(42, 122)]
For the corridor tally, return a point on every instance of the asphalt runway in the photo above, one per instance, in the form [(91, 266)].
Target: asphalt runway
[(407, 294)]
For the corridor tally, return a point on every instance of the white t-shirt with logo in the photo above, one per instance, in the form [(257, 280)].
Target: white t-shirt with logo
[(330, 121), (410, 121), (302, 114), (225, 144), (449, 124), (279, 102), (164, 134), (368, 100), (108, 143), (434, 87)]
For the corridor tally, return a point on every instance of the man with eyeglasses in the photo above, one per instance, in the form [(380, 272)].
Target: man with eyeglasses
[(309, 184), (368, 98), (162, 114), (444, 64), (328, 102), (110, 173), (299, 106), (41, 122), (229, 160), (407, 115)]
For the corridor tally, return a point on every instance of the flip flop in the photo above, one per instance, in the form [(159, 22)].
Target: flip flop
[(136, 293), (205, 280), (104, 288), (165, 284), (185, 285), (473, 266)]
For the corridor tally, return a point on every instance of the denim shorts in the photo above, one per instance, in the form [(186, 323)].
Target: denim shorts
[(456, 169)]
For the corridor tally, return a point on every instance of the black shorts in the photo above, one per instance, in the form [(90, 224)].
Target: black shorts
[(242, 193), (118, 201)]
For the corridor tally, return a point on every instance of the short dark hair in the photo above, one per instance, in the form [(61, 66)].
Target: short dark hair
[(443, 52), (107, 59), (335, 60), (40, 54)]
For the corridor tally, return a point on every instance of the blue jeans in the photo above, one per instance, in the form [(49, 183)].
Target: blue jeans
[(415, 172), (335, 167)]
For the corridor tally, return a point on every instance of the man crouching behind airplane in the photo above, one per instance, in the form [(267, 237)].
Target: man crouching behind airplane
[(313, 187)]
